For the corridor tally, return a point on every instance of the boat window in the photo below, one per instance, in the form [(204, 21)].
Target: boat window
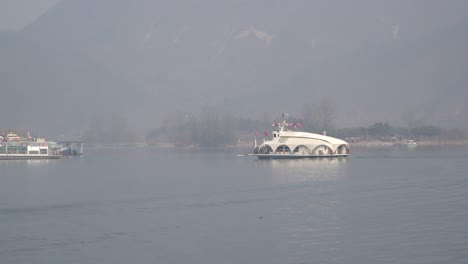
[(283, 149), (302, 150), (265, 149)]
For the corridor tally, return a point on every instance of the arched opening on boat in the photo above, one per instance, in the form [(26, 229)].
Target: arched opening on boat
[(265, 149), (342, 149), (283, 149), (301, 150), (322, 150)]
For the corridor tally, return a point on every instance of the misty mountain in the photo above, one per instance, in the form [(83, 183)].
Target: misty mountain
[(144, 59)]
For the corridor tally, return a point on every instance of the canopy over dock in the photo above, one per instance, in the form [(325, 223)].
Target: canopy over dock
[(71, 148)]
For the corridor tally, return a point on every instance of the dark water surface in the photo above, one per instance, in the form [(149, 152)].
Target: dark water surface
[(147, 205)]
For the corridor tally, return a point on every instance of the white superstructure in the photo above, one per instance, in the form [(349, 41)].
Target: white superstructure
[(29, 150)]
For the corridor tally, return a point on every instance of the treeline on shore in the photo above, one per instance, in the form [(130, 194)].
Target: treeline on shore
[(218, 130), (211, 127), (383, 131)]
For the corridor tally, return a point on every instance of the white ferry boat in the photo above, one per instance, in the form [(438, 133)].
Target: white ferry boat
[(287, 144), (13, 148)]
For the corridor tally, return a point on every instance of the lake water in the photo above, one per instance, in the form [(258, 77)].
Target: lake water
[(149, 205)]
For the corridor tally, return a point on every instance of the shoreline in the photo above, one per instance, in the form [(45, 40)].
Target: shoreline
[(418, 143), (373, 143)]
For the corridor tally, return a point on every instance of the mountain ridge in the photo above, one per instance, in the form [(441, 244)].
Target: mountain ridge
[(148, 58)]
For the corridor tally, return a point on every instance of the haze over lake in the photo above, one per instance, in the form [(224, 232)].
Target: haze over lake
[(195, 82), (153, 205)]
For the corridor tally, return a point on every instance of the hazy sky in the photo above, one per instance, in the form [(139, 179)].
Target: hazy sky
[(16, 14), (146, 59)]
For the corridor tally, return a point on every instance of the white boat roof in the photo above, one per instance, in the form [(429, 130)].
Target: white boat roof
[(328, 139)]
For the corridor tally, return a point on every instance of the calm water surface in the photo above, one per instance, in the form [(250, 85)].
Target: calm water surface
[(148, 205)]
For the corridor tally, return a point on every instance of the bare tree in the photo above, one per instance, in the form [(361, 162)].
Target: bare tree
[(409, 118), (178, 128), (309, 116), (326, 114), (229, 128), (95, 132), (209, 127), (120, 130)]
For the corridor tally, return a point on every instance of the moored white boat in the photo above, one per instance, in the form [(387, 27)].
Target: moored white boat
[(411, 143), (16, 147)]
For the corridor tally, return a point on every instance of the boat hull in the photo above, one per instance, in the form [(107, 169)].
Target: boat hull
[(27, 157), (286, 156)]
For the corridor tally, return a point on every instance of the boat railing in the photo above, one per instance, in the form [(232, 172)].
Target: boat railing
[(29, 143)]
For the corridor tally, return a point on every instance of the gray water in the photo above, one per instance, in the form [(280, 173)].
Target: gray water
[(148, 205)]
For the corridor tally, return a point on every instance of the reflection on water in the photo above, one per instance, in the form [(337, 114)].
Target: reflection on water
[(157, 206), (307, 211), (404, 152), (23, 163), (303, 170)]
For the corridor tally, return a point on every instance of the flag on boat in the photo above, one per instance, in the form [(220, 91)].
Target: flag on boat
[(273, 124), (256, 133), (266, 134)]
